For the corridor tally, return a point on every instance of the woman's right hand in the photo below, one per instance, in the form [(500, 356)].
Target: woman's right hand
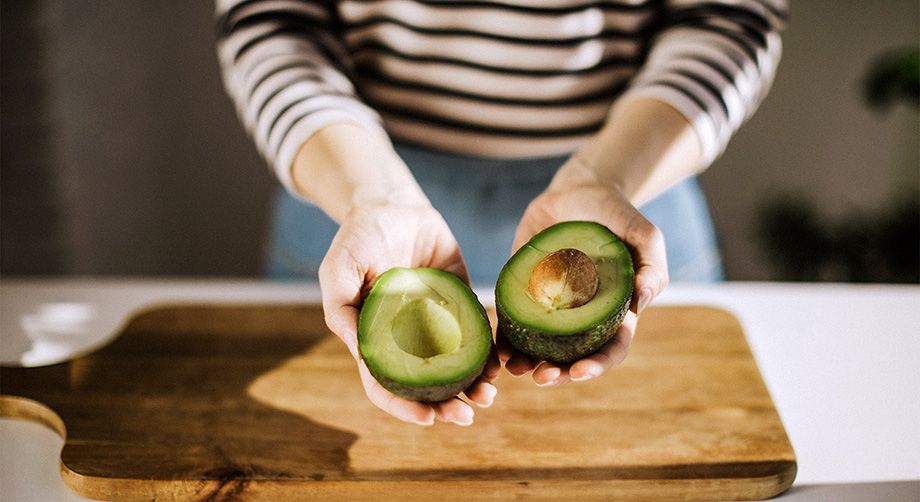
[(372, 239)]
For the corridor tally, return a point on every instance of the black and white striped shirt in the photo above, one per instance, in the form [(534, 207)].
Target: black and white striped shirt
[(502, 78)]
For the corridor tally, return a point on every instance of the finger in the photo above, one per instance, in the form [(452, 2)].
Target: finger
[(520, 364), (493, 366), (481, 392), (403, 409), (548, 374), (503, 348), (610, 355), (564, 378), (455, 411)]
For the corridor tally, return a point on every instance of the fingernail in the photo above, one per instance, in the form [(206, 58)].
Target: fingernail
[(552, 373), (491, 398), (492, 393), (465, 421), (425, 424), (587, 376), (645, 297)]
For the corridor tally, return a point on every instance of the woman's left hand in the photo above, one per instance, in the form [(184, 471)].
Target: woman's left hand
[(576, 194)]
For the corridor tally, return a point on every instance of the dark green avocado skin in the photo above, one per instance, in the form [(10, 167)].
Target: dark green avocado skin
[(559, 348), (430, 394)]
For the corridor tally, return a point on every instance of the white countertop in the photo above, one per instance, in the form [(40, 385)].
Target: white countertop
[(841, 361)]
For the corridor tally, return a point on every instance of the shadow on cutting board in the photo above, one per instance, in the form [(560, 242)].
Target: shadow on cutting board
[(167, 400)]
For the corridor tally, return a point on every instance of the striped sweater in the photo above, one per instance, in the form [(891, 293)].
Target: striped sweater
[(499, 78)]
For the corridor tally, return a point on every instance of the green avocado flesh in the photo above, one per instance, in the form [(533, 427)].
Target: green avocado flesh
[(564, 335), (423, 334)]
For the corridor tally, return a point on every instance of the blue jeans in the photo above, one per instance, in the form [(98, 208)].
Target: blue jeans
[(482, 201)]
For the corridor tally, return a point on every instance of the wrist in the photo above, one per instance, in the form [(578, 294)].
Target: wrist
[(344, 166), (372, 195), (645, 147), (578, 173)]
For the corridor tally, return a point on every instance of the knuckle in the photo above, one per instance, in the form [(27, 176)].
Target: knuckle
[(640, 231)]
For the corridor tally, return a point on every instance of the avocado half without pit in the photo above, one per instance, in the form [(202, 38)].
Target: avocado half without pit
[(423, 334), (565, 293)]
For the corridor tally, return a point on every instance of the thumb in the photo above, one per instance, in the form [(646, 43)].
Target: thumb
[(650, 260), (526, 229), (340, 284), (343, 321), (458, 268)]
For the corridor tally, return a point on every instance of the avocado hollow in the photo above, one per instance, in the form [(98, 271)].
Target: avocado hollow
[(423, 334)]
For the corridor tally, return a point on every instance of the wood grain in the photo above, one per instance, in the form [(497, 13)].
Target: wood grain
[(226, 403)]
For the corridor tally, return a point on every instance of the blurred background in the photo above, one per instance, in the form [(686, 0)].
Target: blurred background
[(120, 154)]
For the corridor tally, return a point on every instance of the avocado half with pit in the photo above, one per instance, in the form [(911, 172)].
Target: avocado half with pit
[(423, 334), (565, 293)]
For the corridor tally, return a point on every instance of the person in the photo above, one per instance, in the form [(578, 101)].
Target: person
[(403, 130)]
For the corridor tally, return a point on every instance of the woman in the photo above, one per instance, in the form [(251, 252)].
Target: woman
[(403, 120)]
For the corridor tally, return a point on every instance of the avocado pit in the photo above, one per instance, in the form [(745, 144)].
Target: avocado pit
[(564, 279)]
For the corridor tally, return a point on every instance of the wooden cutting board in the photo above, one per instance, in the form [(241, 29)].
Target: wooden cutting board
[(255, 402)]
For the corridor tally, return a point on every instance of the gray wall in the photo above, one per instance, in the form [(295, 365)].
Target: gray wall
[(153, 172), (122, 155), (813, 135)]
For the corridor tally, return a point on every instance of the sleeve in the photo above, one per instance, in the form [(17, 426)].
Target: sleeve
[(714, 62), (287, 73)]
